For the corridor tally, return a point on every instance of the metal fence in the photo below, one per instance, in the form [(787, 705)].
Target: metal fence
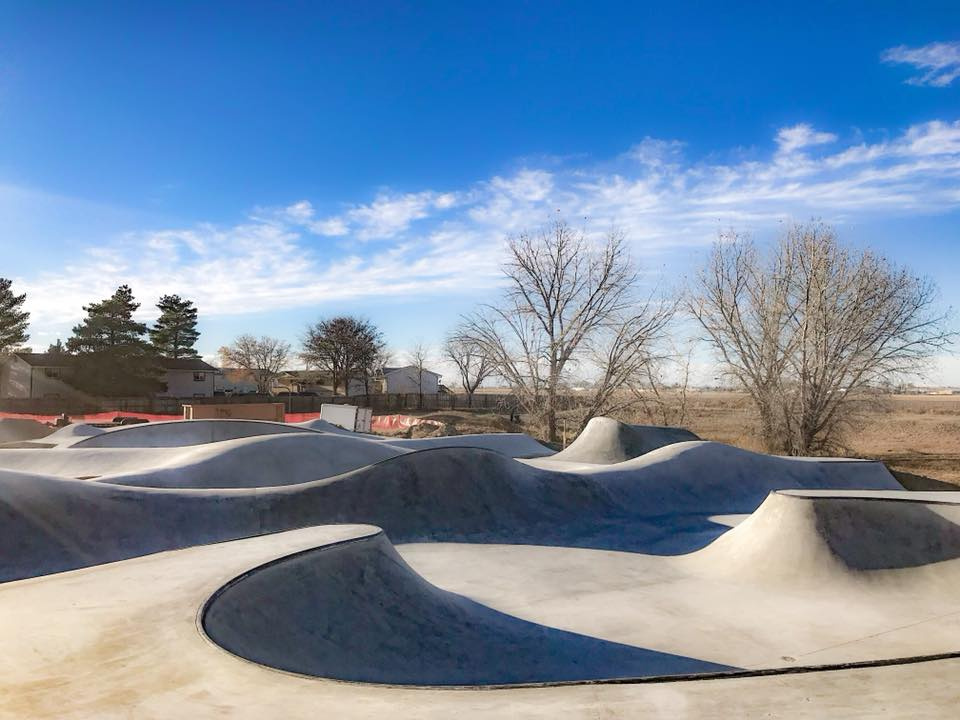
[(380, 403)]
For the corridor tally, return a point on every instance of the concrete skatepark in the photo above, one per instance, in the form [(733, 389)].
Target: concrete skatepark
[(213, 568)]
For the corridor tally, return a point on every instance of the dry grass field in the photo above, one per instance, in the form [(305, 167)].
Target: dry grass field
[(914, 434)]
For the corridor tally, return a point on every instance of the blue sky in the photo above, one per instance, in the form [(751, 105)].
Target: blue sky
[(278, 162)]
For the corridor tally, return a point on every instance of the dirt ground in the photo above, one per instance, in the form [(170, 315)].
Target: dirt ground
[(917, 436)]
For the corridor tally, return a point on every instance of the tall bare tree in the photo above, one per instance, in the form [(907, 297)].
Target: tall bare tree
[(808, 328), (569, 305), (472, 363), (345, 347), (419, 357), (263, 358)]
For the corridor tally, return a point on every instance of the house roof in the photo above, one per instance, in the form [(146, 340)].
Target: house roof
[(65, 360), (46, 359), (194, 364), (388, 370)]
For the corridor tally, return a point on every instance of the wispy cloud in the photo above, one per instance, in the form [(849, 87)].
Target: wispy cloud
[(433, 242), (798, 137), (939, 61)]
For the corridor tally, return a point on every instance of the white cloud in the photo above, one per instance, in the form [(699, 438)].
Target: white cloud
[(939, 60), (331, 227), (798, 137), (300, 212), (432, 243), (651, 151), (389, 215)]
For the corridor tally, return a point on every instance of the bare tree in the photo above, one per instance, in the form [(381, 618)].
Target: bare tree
[(378, 362), (472, 363), (263, 358), (810, 327), (346, 348), (662, 401), (568, 305), (419, 357)]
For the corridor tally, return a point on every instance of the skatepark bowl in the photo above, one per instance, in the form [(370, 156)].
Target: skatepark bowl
[(214, 568)]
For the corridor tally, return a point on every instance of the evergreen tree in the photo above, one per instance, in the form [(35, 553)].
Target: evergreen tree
[(57, 348), (13, 318), (175, 333), (113, 356)]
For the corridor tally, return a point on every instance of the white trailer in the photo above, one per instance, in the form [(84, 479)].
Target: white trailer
[(349, 417)]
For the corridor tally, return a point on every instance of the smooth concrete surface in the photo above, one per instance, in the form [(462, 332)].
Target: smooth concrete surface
[(358, 612), (658, 503), (182, 433), (691, 560), (605, 441), (257, 461), (122, 641)]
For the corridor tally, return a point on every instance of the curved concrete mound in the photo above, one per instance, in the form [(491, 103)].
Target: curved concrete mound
[(356, 611), (259, 461), (605, 441), (660, 503), (69, 434), (184, 433), (178, 433), (800, 536)]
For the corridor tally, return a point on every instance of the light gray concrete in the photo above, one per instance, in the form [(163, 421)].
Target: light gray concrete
[(507, 571), (660, 502), (183, 433), (78, 646), (605, 441), (356, 611)]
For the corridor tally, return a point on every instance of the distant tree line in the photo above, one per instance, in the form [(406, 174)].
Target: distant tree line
[(806, 328), (113, 354)]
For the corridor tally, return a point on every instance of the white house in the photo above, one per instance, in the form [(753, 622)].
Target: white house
[(187, 377), (408, 380)]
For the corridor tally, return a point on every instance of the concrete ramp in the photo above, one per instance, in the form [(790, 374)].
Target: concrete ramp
[(605, 441), (660, 503), (73, 432), (179, 433), (264, 461), (515, 445), (258, 461), (356, 611), (802, 537), (185, 433)]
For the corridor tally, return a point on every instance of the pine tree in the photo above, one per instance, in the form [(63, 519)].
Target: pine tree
[(13, 318), (175, 332), (113, 356), (57, 348)]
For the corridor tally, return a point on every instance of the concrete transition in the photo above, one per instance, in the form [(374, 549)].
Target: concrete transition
[(206, 555), (357, 611), (605, 441)]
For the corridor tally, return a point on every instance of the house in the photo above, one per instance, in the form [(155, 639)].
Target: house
[(234, 381), (187, 377), (47, 375), (408, 380), (316, 381), (37, 375), (391, 380)]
